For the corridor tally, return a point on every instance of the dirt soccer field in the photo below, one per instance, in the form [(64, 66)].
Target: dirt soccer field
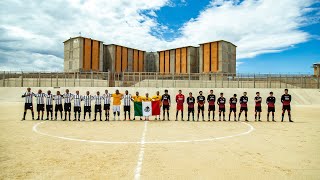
[(162, 149)]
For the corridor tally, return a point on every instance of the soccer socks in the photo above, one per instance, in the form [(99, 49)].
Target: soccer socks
[(177, 115), (164, 115), (239, 116), (24, 115), (224, 116), (219, 116), (182, 115), (168, 115)]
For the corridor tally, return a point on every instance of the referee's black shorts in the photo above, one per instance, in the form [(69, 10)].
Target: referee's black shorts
[(67, 107), (58, 107), (97, 108)]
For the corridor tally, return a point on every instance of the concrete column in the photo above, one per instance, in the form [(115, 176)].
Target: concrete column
[(130, 60), (200, 58), (192, 60), (101, 57), (157, 61), (172, 61), (111, 56)]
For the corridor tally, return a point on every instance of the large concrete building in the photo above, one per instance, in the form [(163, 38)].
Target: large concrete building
[(316, 69), (85, 54)]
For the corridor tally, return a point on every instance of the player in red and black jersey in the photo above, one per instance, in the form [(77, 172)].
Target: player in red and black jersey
[(211, 101), (222, 106), (233, 106), (286, 100), (190, 102), (201, 100), (257, 108), (165, 99), (271, 100), (179, 101), (243, 105)]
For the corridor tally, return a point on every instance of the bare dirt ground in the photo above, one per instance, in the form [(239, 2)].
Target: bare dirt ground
[(170, 149)]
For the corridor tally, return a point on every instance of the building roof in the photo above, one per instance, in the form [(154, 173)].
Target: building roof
[(318, 63), (80, 37), (219, 41), (123, 46), (176, 48)]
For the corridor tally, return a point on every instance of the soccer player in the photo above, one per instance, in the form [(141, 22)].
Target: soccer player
[(97, 105), (58, 105), (271, 100), (77, 98), (137, 98), (87, 105), (40, 103), (190, 102), (257, 108), (49, 107), (106, 106), (201, 100), (179, 101), (146, 99), (126, 104), (222, 106), (211, 101), (67, 104), (28, 103), (157, 97), (233, 106), (116, 104), (286, 100), (243, 106), (165, 99)]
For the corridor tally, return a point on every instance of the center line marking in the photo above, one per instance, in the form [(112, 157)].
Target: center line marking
[(137, 173)]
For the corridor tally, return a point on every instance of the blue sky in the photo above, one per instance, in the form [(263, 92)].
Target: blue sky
[(272, 36)]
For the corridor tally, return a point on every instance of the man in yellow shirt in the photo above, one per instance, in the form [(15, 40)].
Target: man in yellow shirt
[(157, 98), (116, 104), (137, 98), (144, 99)]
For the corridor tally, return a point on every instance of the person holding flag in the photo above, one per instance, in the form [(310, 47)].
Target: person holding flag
[(136, 99), (147, 107), (157, 97), (146, 99), (116, 104), (179, 101)]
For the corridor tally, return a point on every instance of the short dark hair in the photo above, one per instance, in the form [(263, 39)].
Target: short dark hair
[(166, 90), (286, 89), (257, 92), (235, 95), (200, 91), (190, 92), (211, 90), (221, 93), (271, 92)]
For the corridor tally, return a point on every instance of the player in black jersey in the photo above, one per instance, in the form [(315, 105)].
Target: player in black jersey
[(257, 108), (271, 100), (165, 99), (190, 102), (222, 106), (286, 101), (211, 101), (201, 100), (243, 106), (233, 106)]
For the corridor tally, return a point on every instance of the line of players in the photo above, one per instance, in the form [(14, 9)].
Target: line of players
[(165, 102)]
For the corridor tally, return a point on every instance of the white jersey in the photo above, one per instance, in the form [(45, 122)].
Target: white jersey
[(107, 98), (98, 99), (58, 99), (49, 98), (87, 100), (28, 97), (67, 97), (40, 98), (126, 99), (77, 100)]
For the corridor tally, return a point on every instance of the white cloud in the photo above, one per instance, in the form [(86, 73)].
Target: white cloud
[(31, 33)]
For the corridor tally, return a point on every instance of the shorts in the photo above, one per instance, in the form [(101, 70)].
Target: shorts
[(106, 107), (116, 108), (179, 107), (58, 107), (233, 109), (286, 107), (97, 108), (212, 108), (200, 108), (190, 109), (126, 108), (257, 109), (77, 109), (28, 106), (40, 107), (244, 109), (166, 107), (271, 109), (222, 109), (49, 108), (67, 107), (87, 109)]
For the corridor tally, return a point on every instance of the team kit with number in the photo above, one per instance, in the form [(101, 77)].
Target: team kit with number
[(145, 106)]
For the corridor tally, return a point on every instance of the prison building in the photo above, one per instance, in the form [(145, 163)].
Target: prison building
[(316, 69), (217, 57)]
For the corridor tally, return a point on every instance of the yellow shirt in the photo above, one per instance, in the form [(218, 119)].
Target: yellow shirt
[(156, 98), (146, 99), (137, 98), (117, 99)]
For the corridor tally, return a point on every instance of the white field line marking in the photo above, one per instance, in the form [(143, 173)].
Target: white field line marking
[(137, 173), (250, 129)]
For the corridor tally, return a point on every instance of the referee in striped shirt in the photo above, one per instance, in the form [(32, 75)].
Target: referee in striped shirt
[(77, 98), (40, 103), (97, 105), (28, 103), (58, 105), (126, 104), (49, 108), (87, 105), (106, 107), (67, 104)]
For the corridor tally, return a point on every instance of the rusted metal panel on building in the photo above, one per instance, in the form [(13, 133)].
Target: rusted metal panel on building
[(167, 62), (135, 60), (95, 55), (206, 57), (118, 59), (87, 55), (214, 57), (183, 60), (141, 61), (124, 59), (161, 59), (178, 60)]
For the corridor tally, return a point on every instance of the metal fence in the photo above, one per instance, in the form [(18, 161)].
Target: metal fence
[(155, 79)]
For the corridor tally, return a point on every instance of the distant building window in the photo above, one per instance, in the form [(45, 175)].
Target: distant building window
[(70, 65)]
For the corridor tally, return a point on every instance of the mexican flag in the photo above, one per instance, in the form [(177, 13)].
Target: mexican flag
[(148, 108)]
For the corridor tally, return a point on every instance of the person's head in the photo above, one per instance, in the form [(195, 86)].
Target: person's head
[(39, 91), (77, 92), (137, 93), (271, 93), (211, 91), (126, 92), (58, 92), (158, 93), (221, 94), (117, 91), (49, 92), (258, 93), (106, 91), (235, 95), (147, 94), (190, 94), (200, 92), (98, 93), (67, 91), (166, 91), (245, 93), (286, 91), (180, 91), (28, 89), (87, 92)]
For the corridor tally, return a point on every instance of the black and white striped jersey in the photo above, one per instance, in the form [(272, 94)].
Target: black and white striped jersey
[(49, 99), (40, 98), (77, 100), (67, 97), (107, 98), (28, 96), (98, 99), (58, 99), (126, 99), (87, 100)]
